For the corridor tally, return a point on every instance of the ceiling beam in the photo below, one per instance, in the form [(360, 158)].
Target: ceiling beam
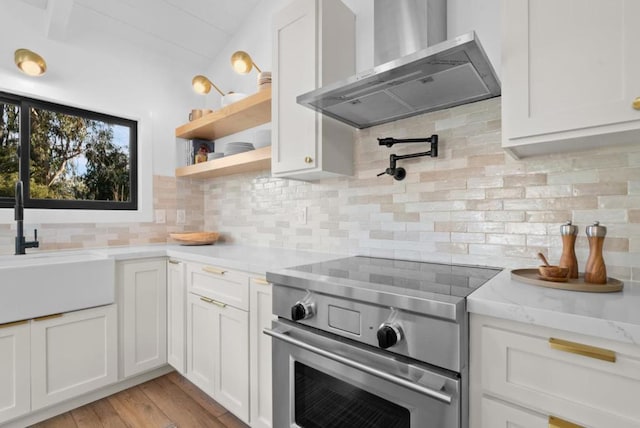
[(58, 14)]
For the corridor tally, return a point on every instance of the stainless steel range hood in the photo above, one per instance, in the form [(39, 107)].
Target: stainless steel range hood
[(443, 75)]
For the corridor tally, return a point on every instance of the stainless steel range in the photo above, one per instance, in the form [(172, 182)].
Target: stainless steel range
[(371, 342)]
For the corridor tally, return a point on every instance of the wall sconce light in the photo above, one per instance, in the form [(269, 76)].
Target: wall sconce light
[(242, 62), (202, 85), (30, 62)]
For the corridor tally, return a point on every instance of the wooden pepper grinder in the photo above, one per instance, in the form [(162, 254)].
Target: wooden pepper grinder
[(595, 272), (568, 258)]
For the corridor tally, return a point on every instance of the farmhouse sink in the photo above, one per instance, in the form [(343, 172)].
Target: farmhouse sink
[(36, 285)]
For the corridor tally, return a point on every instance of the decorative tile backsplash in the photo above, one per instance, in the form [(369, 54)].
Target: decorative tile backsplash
[(169, 195), (472, 204)]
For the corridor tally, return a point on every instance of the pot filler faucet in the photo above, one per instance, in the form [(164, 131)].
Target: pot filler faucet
[(21, 243)]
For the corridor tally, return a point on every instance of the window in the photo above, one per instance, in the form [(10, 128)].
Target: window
[(66, 157)]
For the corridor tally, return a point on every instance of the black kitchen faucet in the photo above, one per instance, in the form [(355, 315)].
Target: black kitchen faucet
[(21, 243)]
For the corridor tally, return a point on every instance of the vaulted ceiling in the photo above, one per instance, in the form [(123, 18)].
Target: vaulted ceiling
[(188, 31)]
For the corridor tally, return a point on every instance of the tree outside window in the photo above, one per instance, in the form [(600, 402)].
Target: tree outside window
[(70, 158)]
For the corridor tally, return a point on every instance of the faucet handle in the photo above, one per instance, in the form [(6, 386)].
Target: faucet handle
[(35, 235)]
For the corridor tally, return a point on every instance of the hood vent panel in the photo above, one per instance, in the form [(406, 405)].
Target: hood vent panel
[(443, 75)]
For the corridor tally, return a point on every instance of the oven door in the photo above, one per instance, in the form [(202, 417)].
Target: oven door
[(324, 382)]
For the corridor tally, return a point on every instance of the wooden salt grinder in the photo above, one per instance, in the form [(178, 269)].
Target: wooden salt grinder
[(595, 271), (568, 258)]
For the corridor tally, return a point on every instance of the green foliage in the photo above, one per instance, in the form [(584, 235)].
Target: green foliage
[(71, 157)]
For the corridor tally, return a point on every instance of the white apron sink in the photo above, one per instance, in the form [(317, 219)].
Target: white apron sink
[(36, 285)]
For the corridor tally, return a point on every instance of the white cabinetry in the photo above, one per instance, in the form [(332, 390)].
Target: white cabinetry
[(570, 75), (260, 317), (142, 297), (314, 44), (72, 354), (176, 315), (15, 389), (539, 373), (218, 335)]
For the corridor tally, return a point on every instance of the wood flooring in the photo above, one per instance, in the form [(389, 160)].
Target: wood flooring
[(170, 401)]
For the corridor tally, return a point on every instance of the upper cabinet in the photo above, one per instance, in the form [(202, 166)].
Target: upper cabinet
[(314, 44), (570, 75)]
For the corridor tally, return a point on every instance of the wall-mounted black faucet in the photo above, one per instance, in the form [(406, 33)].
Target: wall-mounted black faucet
[(400, 173), (21, 243)]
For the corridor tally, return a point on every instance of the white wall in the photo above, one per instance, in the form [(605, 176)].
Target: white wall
[(120, 80)]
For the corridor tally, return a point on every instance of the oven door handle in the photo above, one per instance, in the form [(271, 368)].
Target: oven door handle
[(437, 395)]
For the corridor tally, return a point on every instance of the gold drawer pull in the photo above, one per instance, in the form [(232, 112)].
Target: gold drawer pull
[(217, 271), (261, 281), (213, 302), (47, 317), (584, 350), (174, 262), (308, 159), (13, 324), (636, 103), (561, 423)]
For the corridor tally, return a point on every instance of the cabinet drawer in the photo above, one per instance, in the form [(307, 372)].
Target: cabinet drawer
[(530, 370), (219, 283)]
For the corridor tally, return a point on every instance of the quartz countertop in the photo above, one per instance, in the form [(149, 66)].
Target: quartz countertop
[(256, 260), (614, 316)]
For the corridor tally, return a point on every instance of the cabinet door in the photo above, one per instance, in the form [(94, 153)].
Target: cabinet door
[(143, 300), (232, 360), (570, 73), (260, 317), (202, 342), (498, 414), (313, 45), (73, 354), (294, 69), (176, 316), (15, 391)]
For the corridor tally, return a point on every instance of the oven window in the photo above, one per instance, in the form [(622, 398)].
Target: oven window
[(322, 401)]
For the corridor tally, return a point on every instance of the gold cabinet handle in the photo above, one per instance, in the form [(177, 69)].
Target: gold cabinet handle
[(13, 324), (213, 302), (261, 281), (308, 159), (48, 317), (584, 350), (174, 262), (217, 271), (555, 422), (636, 103)]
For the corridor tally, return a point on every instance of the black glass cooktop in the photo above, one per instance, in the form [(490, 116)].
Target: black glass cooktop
[(446, 279)]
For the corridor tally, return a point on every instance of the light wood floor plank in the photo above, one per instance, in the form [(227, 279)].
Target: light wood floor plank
[(136, 410), (178, 406), (86, 417), (231, 421), (107, 414), (197, 395), (64, 420)]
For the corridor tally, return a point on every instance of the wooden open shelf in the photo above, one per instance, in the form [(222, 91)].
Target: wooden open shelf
[(253, 160), (244, 114)]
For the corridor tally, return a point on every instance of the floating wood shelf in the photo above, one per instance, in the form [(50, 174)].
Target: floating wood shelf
[(244, 114), (254, 160)]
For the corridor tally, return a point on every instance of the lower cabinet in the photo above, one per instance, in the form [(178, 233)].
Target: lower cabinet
[(260, 317), (142, 299), (218, 349), (176, 315), (72, 354), (15, 386), (531, 376)]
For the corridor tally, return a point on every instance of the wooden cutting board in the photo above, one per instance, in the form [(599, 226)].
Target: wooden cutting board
[(195, 238), (531, 276)]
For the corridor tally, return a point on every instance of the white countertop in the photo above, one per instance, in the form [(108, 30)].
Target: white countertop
[(256, 260), (614, 316)]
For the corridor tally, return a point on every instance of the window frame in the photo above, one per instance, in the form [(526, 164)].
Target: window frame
[(25, 104)]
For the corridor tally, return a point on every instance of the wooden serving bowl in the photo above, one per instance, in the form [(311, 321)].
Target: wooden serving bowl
[(555, 272)]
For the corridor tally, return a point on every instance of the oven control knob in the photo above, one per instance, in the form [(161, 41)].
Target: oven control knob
[(301, 311), (389, 335)]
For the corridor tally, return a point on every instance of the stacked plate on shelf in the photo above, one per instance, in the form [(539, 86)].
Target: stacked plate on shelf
[(235, 148), (215, 155), (264, 80)]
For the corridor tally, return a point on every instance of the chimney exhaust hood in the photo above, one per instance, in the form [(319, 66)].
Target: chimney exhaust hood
[(445, 74)]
